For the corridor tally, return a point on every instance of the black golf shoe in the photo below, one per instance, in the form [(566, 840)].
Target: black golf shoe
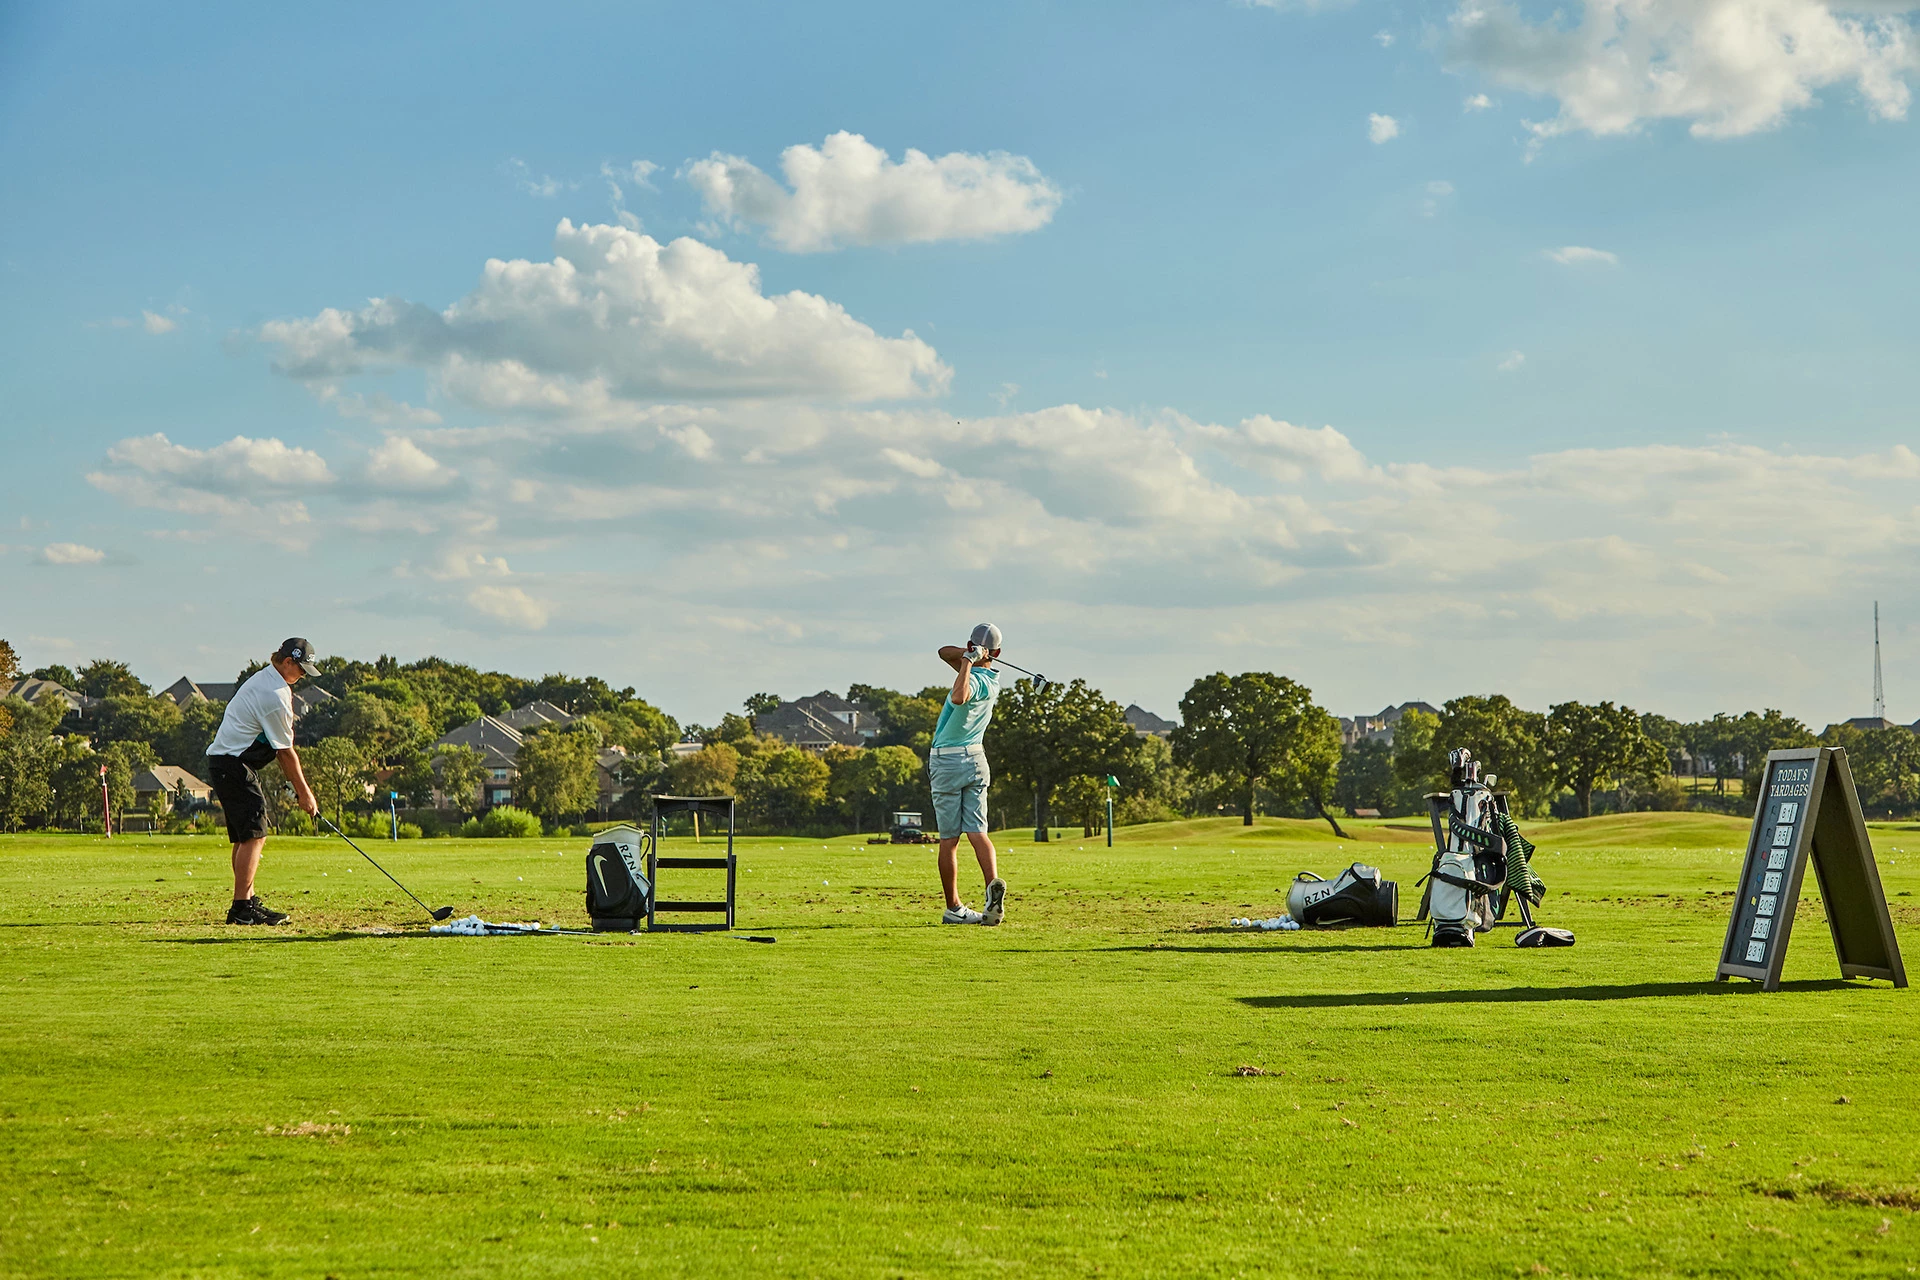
[(254, 911)]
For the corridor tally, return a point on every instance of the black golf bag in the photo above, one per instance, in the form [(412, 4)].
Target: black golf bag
[(1357, 895), (618, 892)]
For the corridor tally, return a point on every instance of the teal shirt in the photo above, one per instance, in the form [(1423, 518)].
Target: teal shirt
[(964, 724)]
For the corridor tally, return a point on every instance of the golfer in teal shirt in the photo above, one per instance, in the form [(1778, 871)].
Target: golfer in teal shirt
[(957, 768)]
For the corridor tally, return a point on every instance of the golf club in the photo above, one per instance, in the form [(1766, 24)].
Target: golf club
[(1040, 682), (441, 914)]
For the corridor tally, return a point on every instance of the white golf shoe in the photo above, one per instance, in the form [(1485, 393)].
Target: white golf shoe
[(961, 914), (996, 902)]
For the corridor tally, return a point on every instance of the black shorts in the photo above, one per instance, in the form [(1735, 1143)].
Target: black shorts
[(240, 796)]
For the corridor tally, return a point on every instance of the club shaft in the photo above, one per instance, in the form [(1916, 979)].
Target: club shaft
[(376, 866)]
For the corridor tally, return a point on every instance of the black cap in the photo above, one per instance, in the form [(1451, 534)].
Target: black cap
[(301, 651)]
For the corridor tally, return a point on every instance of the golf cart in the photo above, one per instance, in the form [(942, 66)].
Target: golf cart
[(906, 829)]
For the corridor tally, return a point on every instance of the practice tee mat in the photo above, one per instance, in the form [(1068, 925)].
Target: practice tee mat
[(1808, 810)]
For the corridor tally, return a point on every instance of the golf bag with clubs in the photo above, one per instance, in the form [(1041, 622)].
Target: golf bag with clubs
[(618, 893), (1481, 863), (1357, 895)]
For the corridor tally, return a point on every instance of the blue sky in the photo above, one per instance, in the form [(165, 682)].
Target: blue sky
[(1408, 349)]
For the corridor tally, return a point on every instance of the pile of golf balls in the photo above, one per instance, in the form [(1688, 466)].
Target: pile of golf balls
[(474, 926), (1278, 922)]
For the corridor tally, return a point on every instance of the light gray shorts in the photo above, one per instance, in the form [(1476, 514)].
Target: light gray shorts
[(960, 783)]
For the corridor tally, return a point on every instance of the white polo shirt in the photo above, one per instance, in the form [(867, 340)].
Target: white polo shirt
[(261, 710)]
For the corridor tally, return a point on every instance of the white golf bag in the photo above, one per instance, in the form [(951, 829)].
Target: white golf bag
[(1466, 880)]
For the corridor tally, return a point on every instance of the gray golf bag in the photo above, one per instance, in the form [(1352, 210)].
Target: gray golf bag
[(1357, 895)]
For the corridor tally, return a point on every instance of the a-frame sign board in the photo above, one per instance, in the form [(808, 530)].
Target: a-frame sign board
[(1808, 808)]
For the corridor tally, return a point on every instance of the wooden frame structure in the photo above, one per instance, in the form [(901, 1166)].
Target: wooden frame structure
[(712, 806)]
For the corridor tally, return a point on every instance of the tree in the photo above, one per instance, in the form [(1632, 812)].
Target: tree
[(136, 718), (1242, 729), (904, 719), (123, 761), (1367, 776), (782, 790), (1670, 734), (26, 762), (462, 771), (106, 678), (1600, 744), (1419, 761), (75, 774), (759, 704), (1313, 765), (9, 663), (1758, 734), (871, 779), (187, 745), (709, 771), (558, 774), (1160, 789), (1041, 740), (62, 676), (336, 769), (1886, 766)]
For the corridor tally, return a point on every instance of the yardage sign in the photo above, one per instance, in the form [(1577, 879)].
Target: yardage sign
[(1808, 808)]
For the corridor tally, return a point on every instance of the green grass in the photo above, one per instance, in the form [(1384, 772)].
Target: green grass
[(879, 1096)]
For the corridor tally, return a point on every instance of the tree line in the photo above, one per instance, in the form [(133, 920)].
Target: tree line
[(1255, 743)]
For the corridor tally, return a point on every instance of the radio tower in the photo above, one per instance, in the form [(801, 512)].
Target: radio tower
[(1879, 689)]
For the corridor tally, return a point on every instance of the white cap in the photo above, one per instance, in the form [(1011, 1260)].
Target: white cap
[(985, 636)]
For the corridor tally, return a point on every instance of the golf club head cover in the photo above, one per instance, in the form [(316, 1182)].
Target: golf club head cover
[(1541, 936), (1357, 894)]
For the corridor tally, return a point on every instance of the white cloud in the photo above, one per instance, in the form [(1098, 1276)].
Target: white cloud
[(1727, 67), (1476, 102), (157, 324), (1438, 192), (640, 174), (240, 463), (1579, 255), (1511, 362), (848, 191), (1384, 39), (545, 187), (1261, 542), (510, 605), (399, 463), (617, 317), (1382, 129), (379, 408), (70, 553)]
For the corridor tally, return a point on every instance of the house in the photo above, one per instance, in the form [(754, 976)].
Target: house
[(1866, 724), (184, 691), (1380, 727), (498, 740), (171, 781), (533, 715), (499, 746), (32, 690), (813, 724), (1146, 724)]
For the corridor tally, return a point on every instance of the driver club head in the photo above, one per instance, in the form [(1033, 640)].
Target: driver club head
[(442, 913), (1040, 683)]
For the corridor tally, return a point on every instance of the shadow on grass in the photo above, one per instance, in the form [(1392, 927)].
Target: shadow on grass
[(270, 939), (1530, 995), (1287, 949)]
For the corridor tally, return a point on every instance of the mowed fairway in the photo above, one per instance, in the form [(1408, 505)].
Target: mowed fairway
[(876, 1095)]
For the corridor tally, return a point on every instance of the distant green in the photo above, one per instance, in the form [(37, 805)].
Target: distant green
[(877, 1095)]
